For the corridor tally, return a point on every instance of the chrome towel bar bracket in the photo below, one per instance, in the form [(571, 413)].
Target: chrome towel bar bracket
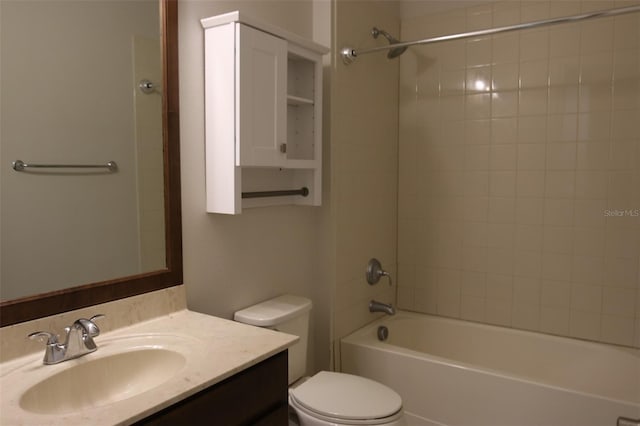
[(20, 166)]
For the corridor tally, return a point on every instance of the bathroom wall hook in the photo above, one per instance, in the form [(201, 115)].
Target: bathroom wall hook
[(375, 272), (147, 86)]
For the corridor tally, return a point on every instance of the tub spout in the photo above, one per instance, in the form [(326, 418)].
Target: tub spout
[(387, 308)]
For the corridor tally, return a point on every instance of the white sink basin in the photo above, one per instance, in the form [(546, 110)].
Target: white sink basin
[(102, 381), (124, 369)]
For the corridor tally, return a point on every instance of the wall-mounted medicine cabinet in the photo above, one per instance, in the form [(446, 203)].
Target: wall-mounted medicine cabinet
[(263, 106)]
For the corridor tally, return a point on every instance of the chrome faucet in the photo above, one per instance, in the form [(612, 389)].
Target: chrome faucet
[(78, 341), (387, 308)]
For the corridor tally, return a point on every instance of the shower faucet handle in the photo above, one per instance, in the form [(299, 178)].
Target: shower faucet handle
[(375, 272)]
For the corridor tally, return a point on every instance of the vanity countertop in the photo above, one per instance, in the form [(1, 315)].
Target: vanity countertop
[(214, 348)]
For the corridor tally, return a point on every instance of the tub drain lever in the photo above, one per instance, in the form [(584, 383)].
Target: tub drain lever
[(375, 272)]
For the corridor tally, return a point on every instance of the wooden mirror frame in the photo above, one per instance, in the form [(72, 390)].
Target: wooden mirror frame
[(32, 307)]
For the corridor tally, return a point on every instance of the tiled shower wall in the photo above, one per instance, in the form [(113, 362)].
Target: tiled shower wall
[(519, 176)]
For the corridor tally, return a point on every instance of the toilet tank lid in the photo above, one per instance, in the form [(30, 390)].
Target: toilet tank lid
[(274, 311)]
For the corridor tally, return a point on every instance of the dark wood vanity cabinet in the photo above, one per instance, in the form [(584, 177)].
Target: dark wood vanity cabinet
[(255, 396)]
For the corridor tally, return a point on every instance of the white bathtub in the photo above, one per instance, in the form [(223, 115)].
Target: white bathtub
[(459, 373)]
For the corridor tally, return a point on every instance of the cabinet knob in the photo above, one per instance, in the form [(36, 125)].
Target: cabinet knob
[(283, 148)]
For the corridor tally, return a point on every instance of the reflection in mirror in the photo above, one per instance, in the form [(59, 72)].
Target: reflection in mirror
[(69, 97), (71, 94)]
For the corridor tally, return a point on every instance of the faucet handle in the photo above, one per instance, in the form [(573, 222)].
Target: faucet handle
[(97, 317), (95, 331), (89, 326), (52, 339), (375, 272)]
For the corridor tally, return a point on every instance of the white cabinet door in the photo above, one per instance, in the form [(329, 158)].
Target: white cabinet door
[(261, 78)]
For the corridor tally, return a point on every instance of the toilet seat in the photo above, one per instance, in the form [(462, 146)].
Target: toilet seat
[(346, 399)]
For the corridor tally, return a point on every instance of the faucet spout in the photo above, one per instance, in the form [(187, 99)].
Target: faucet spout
[(78, 342), (387, 308)]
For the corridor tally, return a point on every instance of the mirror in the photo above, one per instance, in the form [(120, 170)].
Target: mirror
[(159, 271)]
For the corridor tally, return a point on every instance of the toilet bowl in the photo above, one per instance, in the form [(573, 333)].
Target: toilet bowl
[(330, 398), (327, 398)]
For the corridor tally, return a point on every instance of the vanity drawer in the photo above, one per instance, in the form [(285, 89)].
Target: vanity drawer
[(255, 396)]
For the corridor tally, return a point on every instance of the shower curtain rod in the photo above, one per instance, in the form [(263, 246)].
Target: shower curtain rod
[(350, 54)]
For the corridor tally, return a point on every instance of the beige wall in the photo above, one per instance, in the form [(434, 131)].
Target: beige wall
[(516, 152), (231, 262), (363, 159)]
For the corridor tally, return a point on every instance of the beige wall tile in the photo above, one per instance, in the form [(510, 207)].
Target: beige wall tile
[(592, 156), (531, 156), (554, 320), (529, 211), (534, 74), (591, 185), (586, 298), (531, 184), (564, 70), (596, 68), (504, 104), (502, 184), (533, 101), (556, 266), (555, 294), (559, 184), (597, 36), (526, 317), (618, 330), (585, 325), (619, 301), (479, 17), (595, 97), (561, 156), (563, 99), (588, 241), (498, 312), (478, 51), (534, 44), (534, 10), (562, 127), (532, 129), (505, 76), (529, 237), (625, 32), (558, 239), (504, 130), (506, 48), (558, 212), (528, 265), (621, 272), (472, 308), (501, 210), (564, 41)]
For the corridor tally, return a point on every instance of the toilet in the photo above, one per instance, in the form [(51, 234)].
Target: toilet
[(327, 398)]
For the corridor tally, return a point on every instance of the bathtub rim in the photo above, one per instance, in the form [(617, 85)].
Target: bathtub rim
[(359, 337)]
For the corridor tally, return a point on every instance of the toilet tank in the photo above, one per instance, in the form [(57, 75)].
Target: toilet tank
[(289, 314)]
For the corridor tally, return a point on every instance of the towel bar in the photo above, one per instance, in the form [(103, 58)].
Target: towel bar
[(20, 166), (261, 194)]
